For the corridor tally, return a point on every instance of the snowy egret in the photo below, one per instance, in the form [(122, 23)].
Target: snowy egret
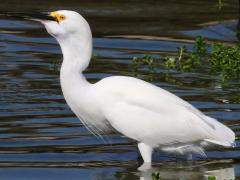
[(154, 117)]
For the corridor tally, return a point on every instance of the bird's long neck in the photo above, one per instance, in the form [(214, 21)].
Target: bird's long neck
[(77, 52)]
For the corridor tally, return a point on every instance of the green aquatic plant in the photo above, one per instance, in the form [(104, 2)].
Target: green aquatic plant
[(220, 59), (220, 5), (95, 56), (226, 61), (156, 176), (146, 60), (212, 178), (185, 60)]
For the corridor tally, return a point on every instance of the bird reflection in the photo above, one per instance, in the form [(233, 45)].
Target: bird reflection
[(193, 173), (221, 169)]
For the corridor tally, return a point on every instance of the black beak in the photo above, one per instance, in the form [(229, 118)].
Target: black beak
[(32, 15)]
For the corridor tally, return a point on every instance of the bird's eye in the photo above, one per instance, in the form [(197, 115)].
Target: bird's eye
[(62, 17)]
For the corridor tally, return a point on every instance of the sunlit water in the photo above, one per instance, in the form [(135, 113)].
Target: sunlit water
[(40, 138)]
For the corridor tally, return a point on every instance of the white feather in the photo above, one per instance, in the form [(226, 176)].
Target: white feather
[(154, 116), (139, 110)]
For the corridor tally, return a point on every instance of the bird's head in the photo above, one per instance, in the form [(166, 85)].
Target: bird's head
[(60, 24), (65, 24), (70, 29)]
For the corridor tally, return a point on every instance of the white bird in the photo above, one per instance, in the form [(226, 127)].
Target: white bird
[(154, 117)]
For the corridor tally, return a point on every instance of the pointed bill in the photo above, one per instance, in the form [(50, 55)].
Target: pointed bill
[(37, 16)]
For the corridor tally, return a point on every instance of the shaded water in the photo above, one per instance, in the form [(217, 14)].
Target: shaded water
[(40, 138)]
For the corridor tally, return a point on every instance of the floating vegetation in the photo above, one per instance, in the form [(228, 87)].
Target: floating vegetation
[(185, 60), (220, 59), (156, 176), (220, 5), (212, 178), (226, 61)]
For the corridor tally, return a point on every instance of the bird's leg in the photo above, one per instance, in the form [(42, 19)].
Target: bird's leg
[(146, 153)]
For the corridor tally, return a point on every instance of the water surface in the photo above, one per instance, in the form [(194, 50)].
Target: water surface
[(40, 138)]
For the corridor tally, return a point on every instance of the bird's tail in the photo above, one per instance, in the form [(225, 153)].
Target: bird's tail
[(220, 134)]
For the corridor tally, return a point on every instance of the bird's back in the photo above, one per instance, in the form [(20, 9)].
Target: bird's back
[(152, 115)]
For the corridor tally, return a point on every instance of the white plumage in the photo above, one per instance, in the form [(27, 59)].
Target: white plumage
[(154, 117)]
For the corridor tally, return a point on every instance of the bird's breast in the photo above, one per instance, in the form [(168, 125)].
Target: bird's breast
[(81, 101)]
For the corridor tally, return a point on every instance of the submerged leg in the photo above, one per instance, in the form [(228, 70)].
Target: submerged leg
[(146, 153)]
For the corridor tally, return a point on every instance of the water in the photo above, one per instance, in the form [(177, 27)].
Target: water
[(40, 138)]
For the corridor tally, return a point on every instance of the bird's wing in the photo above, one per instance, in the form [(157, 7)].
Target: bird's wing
[(152, 115)]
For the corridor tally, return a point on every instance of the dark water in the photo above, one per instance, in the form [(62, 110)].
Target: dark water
[(40, 138)]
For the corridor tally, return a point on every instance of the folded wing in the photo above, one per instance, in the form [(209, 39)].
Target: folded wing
[(149, 114)]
